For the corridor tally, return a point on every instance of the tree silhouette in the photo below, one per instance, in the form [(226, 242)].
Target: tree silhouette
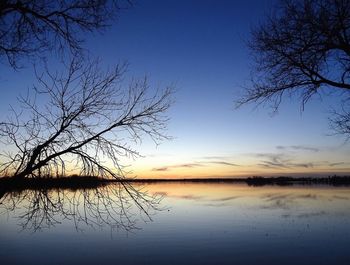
[(82, 119), (84, 116), (302, 47), (30, 28)]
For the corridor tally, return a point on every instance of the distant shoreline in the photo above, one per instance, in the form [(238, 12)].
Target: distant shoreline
[(258, 181), (74, 183), (81, 182), (254, 179)]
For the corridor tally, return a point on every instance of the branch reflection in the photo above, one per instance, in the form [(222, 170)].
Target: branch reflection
[(117, 206)]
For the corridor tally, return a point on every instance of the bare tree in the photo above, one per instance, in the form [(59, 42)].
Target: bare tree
[(84, 118), (30, 28), (303, 47)]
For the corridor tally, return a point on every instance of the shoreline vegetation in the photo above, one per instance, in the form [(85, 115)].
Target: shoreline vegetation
[(86, 182)]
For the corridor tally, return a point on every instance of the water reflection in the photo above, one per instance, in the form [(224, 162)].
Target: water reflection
[(117, 206), (204, 223)]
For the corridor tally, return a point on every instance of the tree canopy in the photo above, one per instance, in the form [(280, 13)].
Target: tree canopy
[(31, 28), (85, 115), (301, 48), (81, 114)]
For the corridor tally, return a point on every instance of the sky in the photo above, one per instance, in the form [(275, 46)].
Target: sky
[(201, 48)]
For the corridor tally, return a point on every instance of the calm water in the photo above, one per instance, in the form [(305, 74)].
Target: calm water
[(192, 224)]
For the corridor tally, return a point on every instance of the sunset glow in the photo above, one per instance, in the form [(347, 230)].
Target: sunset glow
[(205, 57)]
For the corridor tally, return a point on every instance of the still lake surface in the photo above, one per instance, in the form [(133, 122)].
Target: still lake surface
[(194, 223)]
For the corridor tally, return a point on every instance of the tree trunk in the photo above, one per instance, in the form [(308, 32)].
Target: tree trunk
[(21, 175)]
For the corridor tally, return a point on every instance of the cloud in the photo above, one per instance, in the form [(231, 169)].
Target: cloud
[(271, 156), (160, 169), (161, 193), (286, 160), (195, 165), (270, 160), (280, 160), (269, 164), (188, 165), (219, 160), (298, 147), (222, 163), (305, 165), (336, 164)]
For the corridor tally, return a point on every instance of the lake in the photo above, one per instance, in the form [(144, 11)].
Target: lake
[(177, 223)]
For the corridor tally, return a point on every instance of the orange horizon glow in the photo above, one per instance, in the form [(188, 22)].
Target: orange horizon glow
[(214, 172)]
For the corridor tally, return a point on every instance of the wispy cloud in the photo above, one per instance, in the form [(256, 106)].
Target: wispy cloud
[(305, 165), (271, 160), (187, 165), (219, 160), (280, 160), (297, 148), (195, 165), (336, 164), (288, 160), (160, 169), (221, 163), (269, 164)]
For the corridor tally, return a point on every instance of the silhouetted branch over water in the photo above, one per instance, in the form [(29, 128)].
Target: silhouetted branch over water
[(30, 29), (301, 49), (85, 116), (86, 201), (80, 119)]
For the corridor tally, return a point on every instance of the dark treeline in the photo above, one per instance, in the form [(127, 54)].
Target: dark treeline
[(281, 181), (72, 182), (260, 181), (9, 184)]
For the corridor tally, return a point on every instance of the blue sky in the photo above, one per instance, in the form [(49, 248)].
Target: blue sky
[(200, 46)]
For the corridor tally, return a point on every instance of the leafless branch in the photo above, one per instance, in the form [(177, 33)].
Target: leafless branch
[(302, 47), (84, 115), (31, 28)]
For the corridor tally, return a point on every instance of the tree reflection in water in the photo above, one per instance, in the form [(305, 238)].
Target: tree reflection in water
[(116, 205)]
